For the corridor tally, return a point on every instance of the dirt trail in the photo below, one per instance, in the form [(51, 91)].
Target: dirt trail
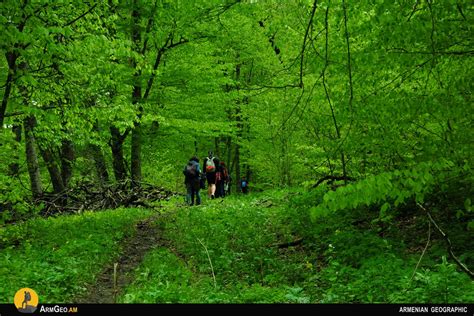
[(149, 235)]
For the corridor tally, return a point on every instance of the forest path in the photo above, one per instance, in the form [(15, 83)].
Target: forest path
[(148, 235)]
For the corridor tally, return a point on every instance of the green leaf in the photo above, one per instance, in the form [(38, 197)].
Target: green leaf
[(470, 225), (384, 209), (467, 205)]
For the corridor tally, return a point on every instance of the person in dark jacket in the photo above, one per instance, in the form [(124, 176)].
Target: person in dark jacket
[(210, 168), (192, 174), (222, 180)]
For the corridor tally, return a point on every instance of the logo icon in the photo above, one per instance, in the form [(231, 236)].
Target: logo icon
[(26, 300)]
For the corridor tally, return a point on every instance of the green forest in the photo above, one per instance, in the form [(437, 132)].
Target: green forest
[(345, 128)]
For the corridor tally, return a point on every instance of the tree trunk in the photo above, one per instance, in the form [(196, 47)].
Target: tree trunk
[(53, 169), (100, 165), (17, 131), (229, 151), (238, 119), (136, 148), (32, 157), (14, 166), (326, 89), (245, 134), (237, 144), (11, 60), (237, 165), (67, 158), (135, 157), (118, 162), (99, 159)]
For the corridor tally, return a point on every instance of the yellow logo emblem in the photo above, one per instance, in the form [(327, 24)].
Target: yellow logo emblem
[(26, 300)]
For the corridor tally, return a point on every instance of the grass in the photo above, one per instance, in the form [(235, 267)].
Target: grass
[(339, 262), (58, 256), (347, 257), (239, 234)]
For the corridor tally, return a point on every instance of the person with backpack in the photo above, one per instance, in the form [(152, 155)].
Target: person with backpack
[(244, 185), (210, 168), (192, 176), (222, 180), (219, 181)]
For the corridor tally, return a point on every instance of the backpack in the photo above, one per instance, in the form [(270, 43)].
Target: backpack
[(191, 169), (210, 165)]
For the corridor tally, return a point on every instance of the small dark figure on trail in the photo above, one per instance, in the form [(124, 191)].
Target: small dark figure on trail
[(210, 168), (26, 300), (244, 185), (222, 178), (192, 180)]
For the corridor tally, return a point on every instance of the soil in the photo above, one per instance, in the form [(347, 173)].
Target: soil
[(149, 235)]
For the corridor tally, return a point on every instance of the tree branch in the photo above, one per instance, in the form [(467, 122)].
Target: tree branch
[(424, 250), (18, 113), (349, 69), (148, 28), (210, 262), (303, 47), (289, 244), (448, 241), (261, 87), (155, 67), (415, 8), (458, 5), (404, 75), (125, 134), (81, 16), (224, 8), (168, 45), (398, 50)]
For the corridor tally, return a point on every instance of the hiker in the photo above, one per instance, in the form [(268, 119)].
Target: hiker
[(244, 185), (210, 163), (222, 180), (192, 174), (219, 181), (26, 300)]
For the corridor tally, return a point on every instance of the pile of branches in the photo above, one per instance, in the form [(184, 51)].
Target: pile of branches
[(85, 196)]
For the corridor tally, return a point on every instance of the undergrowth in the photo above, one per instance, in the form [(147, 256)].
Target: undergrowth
[(58, 256)]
